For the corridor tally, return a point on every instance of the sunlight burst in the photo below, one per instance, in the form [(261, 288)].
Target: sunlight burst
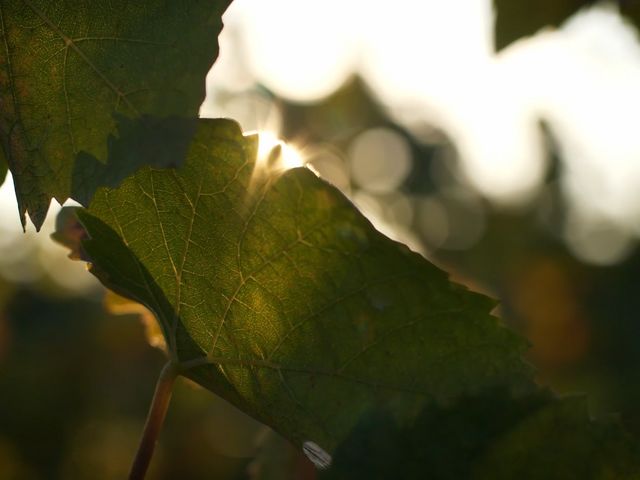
[(290, 157)]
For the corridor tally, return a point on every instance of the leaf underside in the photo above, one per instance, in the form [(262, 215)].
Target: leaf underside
[(306, 315), (69, 68)]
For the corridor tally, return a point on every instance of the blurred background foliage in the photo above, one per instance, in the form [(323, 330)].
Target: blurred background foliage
[(517, 171)]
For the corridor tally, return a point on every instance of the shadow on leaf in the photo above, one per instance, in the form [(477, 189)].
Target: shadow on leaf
[(156, 142)]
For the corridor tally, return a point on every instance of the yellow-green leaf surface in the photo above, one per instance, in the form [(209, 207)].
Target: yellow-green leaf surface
[(67, 66), (283, 299)]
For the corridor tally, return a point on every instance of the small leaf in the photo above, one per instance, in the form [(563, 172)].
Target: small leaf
[(66, 67), (70, 233), (282, 298)]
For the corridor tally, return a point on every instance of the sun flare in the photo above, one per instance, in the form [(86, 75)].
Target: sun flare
[(290, 157)]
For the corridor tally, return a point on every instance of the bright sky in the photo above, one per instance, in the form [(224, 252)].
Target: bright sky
[(433, 61)]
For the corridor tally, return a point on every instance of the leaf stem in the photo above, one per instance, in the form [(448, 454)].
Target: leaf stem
[(155, 419)]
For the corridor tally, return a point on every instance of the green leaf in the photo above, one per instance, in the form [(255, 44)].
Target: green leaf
[(66, 67), (274, 292), (521, 18)]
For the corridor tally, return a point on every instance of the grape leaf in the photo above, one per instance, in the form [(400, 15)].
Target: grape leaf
[(67, 66), (274, 292)]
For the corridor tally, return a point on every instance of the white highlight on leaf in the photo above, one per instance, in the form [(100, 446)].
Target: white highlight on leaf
[(317, 455), (272, 162)]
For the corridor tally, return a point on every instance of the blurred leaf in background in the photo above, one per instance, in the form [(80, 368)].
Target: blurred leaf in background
[(524, 18), (490, 436)]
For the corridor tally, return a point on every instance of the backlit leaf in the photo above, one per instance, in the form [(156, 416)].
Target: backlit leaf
[(274, 292)]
